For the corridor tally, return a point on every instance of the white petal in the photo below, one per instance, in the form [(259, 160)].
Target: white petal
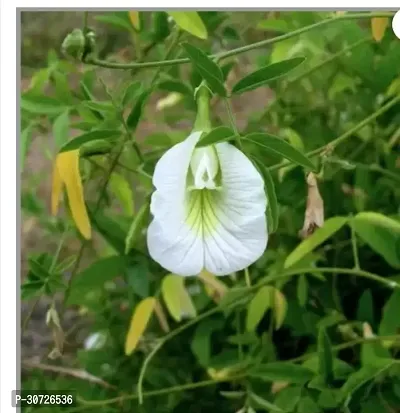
[(235, 224), (171, 242)]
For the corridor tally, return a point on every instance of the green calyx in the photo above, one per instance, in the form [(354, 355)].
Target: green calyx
[(202, 95)]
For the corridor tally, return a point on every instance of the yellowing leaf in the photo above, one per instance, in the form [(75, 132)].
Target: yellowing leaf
[(123, 192), (280, 308), (162, 319), (140, 318), (176, 298), (191, 22), (66, 170), (215, 288), (135, 20), (378, 27), (168, 101)]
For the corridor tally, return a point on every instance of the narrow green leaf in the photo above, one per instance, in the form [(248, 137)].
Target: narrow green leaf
[(121, 188), (136, 226), (102, 107), (207, 68), (137, 275), (361, 377), (302, 290), (61, 129), (175, 86), (331, 226), (381, 233), (390, 322), (258, 306), (280, 147), (264, 404), (117, 19), (42, 105), (266, 74), (131, 92), (278, 371), (220, 134), (136, 112), (325, 356), (77, 142), (96, 147), (191, 22), (26, 139), (271, 196), (94, 277), (273, 25)]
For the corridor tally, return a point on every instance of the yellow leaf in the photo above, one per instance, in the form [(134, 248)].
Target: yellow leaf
[(280, 308), (215, 288), (378, 27), (162, 319), (140, 318), (260, 303), (191, 22), (66, 170), (134, 17), (176, 298), (168, 101)]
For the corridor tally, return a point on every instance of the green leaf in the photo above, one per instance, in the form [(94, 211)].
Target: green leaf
[(26, 139), (331, 226), (325, 356), (207, 68), (175, 86), (191, 22), (77, 142), (136, 226), (271, 196), (381, 233), (266, 74), (390, 322), (361, 377), (260, 303), (96, 147), (158, 139), (278, 146), (42, 105), (308, 405), (220, 134), (264, 404), (137, 276), (273, 25), (121, 188), (160, 26), (288, 398), (102, 107), (94, 277), (61, 129), (30, 289), (136, 112), (302, 290), (201, 342), (131, 92), (119, 20), (282, 371), (365, 310)]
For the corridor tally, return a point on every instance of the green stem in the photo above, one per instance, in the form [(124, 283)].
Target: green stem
[(354, 248), (232, 122), (239, 50), (213, 382), (333, 144), (202, 122)]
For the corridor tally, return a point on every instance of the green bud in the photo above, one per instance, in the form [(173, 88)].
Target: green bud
[(74, 44), (96, 147)]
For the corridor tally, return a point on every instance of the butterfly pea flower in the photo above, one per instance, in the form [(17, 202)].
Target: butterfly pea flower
[(208, 209)]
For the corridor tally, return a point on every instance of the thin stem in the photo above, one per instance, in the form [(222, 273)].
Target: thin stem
[(247, 277), (239, 50), (333, 144), (232, 121), (354, 247), (213, 382), (85, 21), (377, 168)]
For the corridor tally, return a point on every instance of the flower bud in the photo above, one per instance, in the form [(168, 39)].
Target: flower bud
[(74, 44), (314, 215)]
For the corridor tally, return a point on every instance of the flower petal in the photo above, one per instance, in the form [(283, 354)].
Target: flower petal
[(171, 242), (235, 224)]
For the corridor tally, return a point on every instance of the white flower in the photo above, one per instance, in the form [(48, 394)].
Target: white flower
[(208, 210)]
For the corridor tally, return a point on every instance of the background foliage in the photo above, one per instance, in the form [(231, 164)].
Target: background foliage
[(313, 326)]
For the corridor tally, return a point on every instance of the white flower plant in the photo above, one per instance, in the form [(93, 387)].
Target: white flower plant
[(209, 205)]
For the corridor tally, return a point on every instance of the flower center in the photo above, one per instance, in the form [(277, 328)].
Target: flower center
[(204, 166)]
